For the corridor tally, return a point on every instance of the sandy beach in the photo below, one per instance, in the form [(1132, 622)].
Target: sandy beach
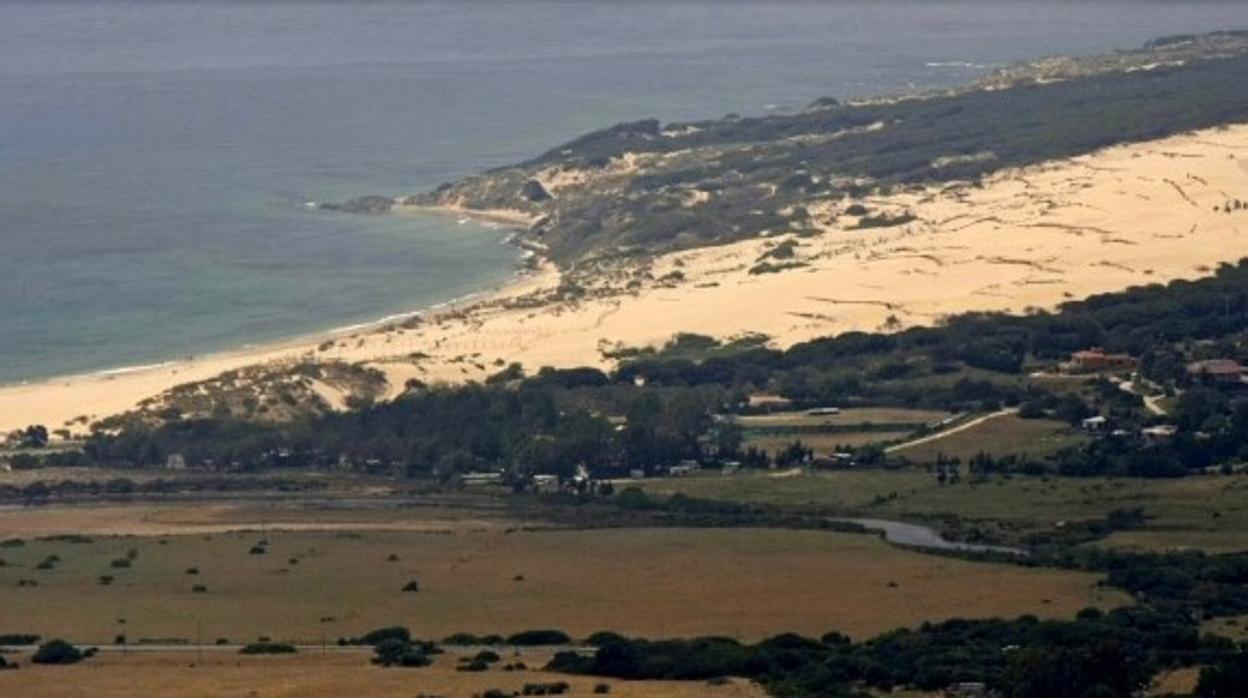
[(1026, 239)]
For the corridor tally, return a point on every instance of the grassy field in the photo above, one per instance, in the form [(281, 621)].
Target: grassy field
[(1209, 513), (847, 417), (313, 675), (747, 583), (823, 444), (1000, 436), (1175, 682), (1233, 627), (828, 433)]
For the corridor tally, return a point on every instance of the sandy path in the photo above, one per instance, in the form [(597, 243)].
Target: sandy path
[(951, 431)]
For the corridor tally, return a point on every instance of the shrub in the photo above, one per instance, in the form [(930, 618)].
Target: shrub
[(192, 570), (199, 589), (257, 550), (1225, 679), (545, 689), (604, 637), (380, 635), (57, 652), (412, 586), (473, 665), (470, 639), (602, 688), (120, 563), (106, 579), (18, 639), (486, 656), (395, 652), (268, 648), (540, 637)]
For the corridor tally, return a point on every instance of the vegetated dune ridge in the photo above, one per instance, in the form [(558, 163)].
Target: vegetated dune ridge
[(645, 187), (1021, 239)]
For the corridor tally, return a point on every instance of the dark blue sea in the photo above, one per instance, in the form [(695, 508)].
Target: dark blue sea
[(157, 158)]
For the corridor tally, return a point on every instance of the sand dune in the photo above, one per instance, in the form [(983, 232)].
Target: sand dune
[(1029, 238)]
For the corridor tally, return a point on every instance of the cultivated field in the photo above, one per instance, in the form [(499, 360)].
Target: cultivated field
[(314, 675), (310, 586)]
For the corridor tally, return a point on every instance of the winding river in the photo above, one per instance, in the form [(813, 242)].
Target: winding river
[(919, 536)]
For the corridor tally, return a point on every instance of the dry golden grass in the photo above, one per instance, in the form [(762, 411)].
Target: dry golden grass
[(1178, 682), (747, 583), (1233, 627), (224, 517), (181, 675)]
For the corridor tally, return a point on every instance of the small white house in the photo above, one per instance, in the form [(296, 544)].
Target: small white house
[(481, 479), (1159, 433), (1097, 423)]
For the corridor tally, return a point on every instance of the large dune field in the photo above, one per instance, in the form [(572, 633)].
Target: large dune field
[(1023, 239)]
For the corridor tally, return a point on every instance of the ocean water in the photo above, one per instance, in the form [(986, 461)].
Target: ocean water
[(156, 157)]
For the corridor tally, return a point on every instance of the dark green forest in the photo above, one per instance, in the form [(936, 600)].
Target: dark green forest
[(658, 409)]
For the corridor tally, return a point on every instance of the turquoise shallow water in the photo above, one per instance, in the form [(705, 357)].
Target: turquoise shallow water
[(155, 157)]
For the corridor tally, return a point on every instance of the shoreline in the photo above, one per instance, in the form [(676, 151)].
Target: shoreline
[(497, 219), (1031, 238), (195, 367), (265, 347), (170, 374)]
